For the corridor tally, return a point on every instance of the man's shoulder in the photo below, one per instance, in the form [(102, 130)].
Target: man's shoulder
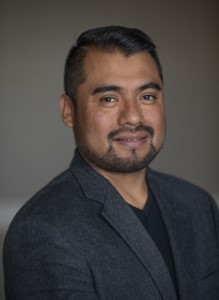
[(54, 196), (178, 189), (60, 185), (175, 182)]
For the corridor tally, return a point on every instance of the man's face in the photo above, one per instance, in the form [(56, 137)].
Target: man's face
[(119, 119)]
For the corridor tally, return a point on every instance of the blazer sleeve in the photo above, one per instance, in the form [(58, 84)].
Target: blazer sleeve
[(40, 263)]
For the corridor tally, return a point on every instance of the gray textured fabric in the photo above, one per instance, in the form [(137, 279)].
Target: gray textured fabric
[(78, 239)]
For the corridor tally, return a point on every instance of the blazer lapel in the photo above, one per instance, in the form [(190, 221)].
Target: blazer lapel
[(121, 217), (179, 229)]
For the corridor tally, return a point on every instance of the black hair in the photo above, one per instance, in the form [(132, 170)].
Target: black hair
[(111, 38)]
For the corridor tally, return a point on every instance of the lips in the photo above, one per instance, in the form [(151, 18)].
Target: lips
[(135, 139), (132, 141), (131, 137)]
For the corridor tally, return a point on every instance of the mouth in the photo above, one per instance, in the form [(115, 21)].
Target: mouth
[(132, 141), (131, 138)]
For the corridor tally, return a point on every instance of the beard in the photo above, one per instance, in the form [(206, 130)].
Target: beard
[(111, 162)]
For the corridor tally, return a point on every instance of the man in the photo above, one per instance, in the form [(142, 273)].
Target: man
[(109, 227)]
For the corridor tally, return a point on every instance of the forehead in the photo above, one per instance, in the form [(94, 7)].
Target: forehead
[(102, 65)]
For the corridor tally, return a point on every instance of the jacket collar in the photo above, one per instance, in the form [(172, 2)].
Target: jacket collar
[(92, 183)]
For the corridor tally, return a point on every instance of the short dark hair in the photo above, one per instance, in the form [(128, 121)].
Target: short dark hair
[(111, 38)]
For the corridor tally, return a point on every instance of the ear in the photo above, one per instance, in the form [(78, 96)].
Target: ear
[(67, 110)]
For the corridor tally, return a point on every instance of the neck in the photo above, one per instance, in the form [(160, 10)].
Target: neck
[(131, 186)]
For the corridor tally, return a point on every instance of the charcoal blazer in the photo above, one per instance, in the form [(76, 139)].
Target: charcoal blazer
[(78, 239)]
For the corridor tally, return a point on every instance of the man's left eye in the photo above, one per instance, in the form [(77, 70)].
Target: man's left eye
[(107, 99), (148, 97)]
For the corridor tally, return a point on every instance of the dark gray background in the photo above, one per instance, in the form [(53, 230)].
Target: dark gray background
[(35, 37)]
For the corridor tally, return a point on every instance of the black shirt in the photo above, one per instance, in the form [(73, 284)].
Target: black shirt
[(152, 220)]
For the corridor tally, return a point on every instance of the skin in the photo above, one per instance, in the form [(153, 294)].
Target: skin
[(119, 118)]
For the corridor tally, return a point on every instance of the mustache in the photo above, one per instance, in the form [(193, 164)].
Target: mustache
[(148, 129)]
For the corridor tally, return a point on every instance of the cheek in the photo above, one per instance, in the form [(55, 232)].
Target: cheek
[(160, 127), (156, 118), (157, 121), (160, 120), (98, 126), (103, 121)]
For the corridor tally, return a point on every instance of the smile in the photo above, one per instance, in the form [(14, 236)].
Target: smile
[(132, 141)]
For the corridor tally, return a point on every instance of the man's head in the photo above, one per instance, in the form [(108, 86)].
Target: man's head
[(114, 99), (108, 39)]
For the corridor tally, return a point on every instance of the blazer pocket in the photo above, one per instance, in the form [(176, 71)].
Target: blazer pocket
[(209, 287)]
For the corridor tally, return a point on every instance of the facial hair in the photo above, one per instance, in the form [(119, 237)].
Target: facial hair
[(111, 162)]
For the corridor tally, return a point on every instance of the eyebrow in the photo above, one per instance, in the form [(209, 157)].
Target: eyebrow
[(106, 88), (150, 85), (115, 88)]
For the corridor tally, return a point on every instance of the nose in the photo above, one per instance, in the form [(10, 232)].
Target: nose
[(130, 113)]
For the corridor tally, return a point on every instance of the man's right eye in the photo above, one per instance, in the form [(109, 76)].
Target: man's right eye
[(107, 99)]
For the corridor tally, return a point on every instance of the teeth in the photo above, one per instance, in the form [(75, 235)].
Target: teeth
[(132, 140)]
